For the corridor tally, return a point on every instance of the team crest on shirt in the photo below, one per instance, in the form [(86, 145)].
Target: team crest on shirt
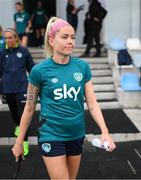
[(78, 76), (19, 55), (46, 147), (54, 80)]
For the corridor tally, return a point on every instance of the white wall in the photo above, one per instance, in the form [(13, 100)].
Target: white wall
[(61, 12), (7, 9), (135, 31), (122, 20), (6, 13), (118, 20)]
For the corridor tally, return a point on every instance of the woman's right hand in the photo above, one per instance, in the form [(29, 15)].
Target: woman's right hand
[(17, 151)]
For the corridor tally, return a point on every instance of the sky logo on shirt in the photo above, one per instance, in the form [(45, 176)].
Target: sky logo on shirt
[(65, 92), (20, 19)]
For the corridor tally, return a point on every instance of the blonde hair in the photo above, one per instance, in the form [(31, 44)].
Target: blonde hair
[(20, 4), (14, 32), (48, 49)]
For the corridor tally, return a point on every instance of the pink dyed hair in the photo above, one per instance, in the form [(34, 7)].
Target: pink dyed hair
[(56, 26)]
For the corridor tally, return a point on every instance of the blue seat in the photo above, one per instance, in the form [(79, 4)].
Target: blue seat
[(130, 82), (117, 44)]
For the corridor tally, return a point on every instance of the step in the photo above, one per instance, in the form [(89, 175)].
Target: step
[(106, 96), (82, 49), (106, 105), (36, 50), (4, 107), (75, 50), (90, 61), (40, 50), (36, 61), (79, 54), (103, 105), (99, 66), (38, 55), (104, 87), (105, 72), (96, 60), (102, 80)]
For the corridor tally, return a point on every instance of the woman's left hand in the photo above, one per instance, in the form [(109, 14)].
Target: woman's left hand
[(107, 137)]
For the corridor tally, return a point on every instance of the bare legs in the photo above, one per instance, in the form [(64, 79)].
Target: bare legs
[(62, 167), (24, 41)]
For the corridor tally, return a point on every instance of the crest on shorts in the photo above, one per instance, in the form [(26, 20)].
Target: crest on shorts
[(46, 147), (78, 76)]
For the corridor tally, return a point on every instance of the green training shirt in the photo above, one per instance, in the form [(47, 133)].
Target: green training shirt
[(40, 16), (61, 98), (21, 19), (2, 42)]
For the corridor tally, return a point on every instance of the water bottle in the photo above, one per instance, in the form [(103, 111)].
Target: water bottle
[(97, 143)]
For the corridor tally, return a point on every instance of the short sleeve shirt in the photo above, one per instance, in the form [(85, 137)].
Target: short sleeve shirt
[(2, 43), (21, 19), (39, 16), (61, 97)]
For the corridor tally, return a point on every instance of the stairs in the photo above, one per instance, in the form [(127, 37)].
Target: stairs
[(103, 83), (101, 77)]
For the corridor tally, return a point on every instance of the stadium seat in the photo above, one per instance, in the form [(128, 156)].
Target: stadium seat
[(130, 82), (117, 44), (133, 44)]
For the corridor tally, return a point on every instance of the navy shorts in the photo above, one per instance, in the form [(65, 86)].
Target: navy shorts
[(59, 148), (40, 26), (22, 35)]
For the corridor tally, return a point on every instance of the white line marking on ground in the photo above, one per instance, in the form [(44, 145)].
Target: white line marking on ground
[(131, 166), (137, 152)]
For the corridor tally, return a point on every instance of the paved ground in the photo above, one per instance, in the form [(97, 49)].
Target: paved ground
[(123, 163)]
